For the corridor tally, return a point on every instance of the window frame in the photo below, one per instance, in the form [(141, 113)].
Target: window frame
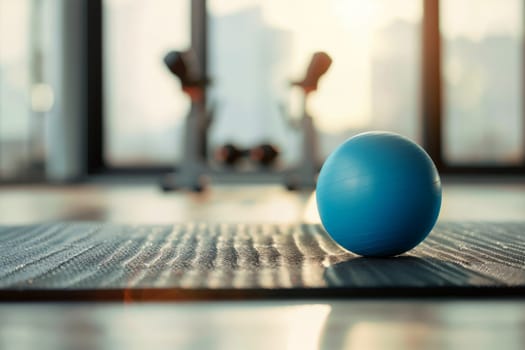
[(431, 100)]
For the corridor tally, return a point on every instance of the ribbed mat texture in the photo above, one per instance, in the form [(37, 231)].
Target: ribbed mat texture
[(219, 256)]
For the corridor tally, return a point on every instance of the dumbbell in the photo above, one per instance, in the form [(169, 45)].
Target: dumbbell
[(264, 154), (229, 154), (318, 66)]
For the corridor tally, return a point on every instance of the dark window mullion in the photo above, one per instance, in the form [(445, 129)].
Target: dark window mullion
[(431, 82), (522, 85), (94, 109)]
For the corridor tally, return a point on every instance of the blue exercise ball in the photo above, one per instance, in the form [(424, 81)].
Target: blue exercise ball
[(378, 194)]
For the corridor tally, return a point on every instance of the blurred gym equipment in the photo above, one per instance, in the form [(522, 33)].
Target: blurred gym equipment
[(194, 170), (265, 155), (230, 155), (305, 175)]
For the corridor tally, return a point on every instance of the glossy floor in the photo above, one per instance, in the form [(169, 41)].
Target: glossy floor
[(326, 324), (266, 325), (145, 203)]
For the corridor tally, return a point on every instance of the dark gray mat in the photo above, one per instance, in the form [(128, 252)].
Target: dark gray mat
[(206, 260)]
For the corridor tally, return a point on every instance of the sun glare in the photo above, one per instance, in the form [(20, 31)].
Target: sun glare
[(347, 30)]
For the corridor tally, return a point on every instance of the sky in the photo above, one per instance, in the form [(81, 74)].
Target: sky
[(343, 28), (347, 29), (475, 19)]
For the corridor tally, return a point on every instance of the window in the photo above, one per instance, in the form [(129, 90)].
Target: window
[(26, 97), (482, 80), (143, 106), (257, 47), (15, 81)]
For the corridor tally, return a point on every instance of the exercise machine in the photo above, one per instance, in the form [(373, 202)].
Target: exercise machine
[(194, 170)]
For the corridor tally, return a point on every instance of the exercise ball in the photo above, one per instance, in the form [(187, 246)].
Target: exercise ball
[(378, 194)]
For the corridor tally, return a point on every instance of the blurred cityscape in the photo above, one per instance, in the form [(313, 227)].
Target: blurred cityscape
[(374, 82), (483, 94), (253, 56)]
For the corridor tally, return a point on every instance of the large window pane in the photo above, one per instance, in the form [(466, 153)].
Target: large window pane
[(258, 46), (26, 96), (15, 113), (143, 106), (482, 70)]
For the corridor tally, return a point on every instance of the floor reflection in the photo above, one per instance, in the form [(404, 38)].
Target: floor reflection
[(435, 325), (325, 325)]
